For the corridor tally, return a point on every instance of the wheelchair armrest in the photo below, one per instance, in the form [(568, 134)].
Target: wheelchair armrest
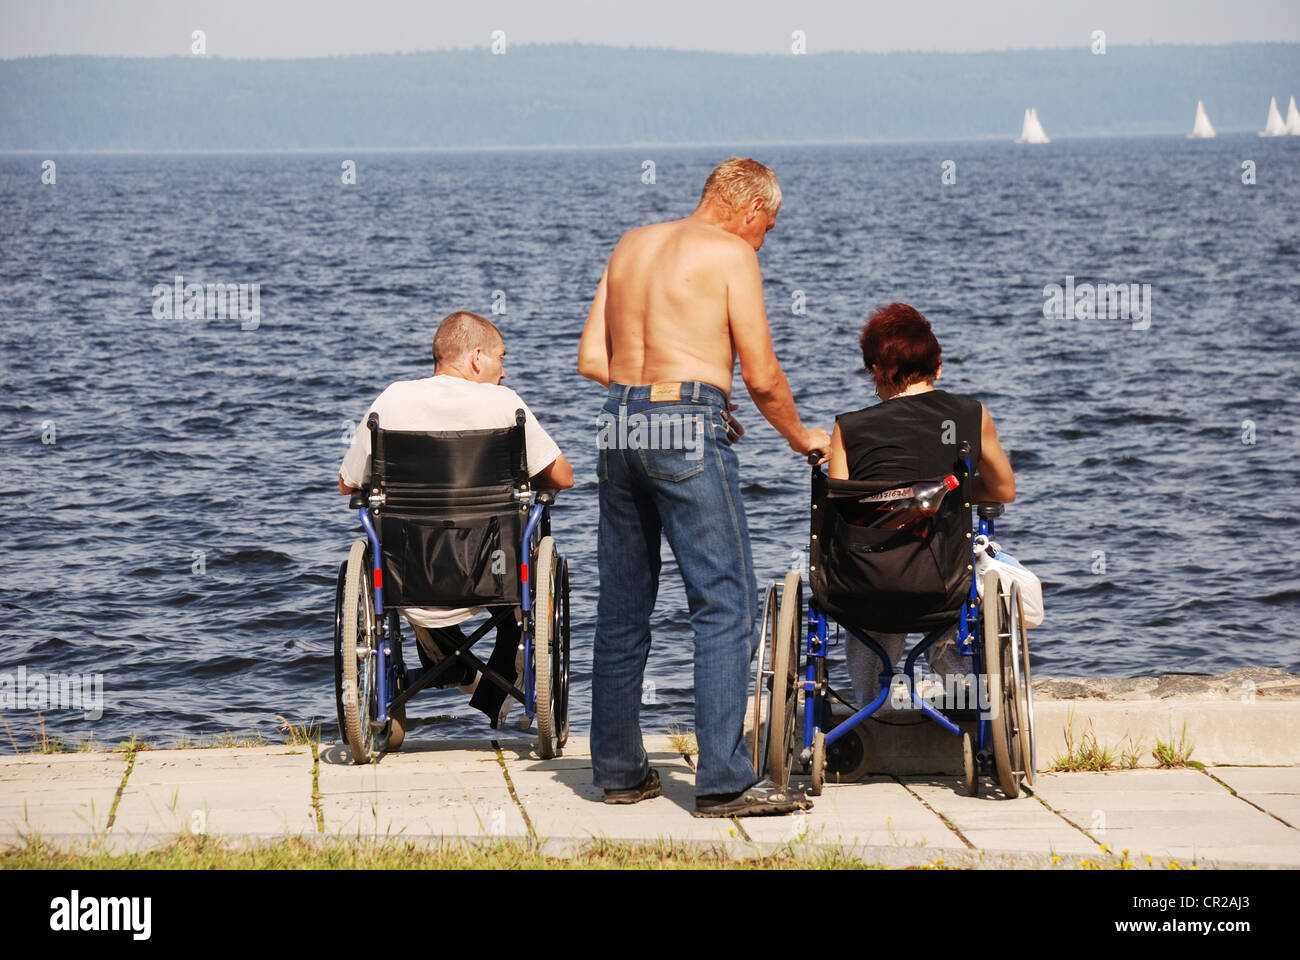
[(988, 511)]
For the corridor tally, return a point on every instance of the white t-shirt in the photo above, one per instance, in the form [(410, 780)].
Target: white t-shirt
[(445, 402)]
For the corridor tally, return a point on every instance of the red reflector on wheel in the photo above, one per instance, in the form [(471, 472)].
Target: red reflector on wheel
[(523, 572), (379, 579)]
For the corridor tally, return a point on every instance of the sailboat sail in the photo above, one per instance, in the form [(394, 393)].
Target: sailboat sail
[(1202, 127), (1293, 119), (1032, 130), (1275, 126)]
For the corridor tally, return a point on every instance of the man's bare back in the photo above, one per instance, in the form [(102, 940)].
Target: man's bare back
[(667, 293), (683, 300)]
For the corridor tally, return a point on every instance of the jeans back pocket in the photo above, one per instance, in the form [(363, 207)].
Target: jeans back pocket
[(669, 440)]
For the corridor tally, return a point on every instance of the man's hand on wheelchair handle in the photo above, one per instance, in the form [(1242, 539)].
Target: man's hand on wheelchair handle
[(815, 441)]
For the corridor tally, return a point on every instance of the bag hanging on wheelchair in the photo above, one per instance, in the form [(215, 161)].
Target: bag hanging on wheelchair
[(989, 556), (890, 560)]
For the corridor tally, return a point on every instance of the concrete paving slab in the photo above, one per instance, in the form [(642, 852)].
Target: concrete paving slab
[(58, 794), (877, 812), (1276, 789), (429, 789), (218, 792), (564, 804), (1180, 814), (993, 822)]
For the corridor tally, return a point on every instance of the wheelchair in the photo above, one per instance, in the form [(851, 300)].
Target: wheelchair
[(449, 520), (990, 631)]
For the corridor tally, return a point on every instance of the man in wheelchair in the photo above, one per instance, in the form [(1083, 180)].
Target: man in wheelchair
[(464, 394), (917, 431)]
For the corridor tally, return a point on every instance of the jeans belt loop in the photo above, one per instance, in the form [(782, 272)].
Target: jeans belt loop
[(695, 397), (626, 390)]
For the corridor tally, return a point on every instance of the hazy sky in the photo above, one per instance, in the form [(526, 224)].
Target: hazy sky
[(294, 28)]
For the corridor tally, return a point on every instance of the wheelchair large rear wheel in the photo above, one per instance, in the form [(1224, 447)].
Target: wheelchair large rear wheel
[(360, 658), (1024, 686), (338, 648), (785, 682), (760, 709), (550, 655), (562, 661), (1000, 667)]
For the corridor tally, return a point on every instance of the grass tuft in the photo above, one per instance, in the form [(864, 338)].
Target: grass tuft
[(1172, 755), (683, 741), (299, 734), (1130, 756), (1087, 755)]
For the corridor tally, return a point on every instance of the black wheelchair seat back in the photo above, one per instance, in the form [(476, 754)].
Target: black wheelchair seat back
[(449, 517), (891, 578)]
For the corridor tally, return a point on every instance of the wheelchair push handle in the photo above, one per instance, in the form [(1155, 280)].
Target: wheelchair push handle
[(815, 456)]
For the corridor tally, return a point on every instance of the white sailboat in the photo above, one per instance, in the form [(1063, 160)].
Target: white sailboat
[(1032, 131), (1202, 128), (1293, 119), (1275, 127)]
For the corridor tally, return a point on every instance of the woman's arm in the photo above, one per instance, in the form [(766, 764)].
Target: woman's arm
[(839, 468), (996, 482)]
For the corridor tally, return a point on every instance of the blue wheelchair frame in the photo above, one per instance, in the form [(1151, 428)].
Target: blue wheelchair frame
[(390, 668), (968, 641)]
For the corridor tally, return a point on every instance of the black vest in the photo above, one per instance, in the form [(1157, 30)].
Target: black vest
[(910, 438), (881, 581)]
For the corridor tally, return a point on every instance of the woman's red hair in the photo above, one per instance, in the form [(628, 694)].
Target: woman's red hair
[(900, 343)]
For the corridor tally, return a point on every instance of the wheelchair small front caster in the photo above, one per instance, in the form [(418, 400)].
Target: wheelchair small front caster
[(818, 764), (970, 770)]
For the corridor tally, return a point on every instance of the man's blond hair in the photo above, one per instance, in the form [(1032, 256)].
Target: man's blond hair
[(738, 180), (461, 332)]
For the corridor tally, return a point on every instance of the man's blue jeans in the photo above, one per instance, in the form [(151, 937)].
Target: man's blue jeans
[(665, 466)]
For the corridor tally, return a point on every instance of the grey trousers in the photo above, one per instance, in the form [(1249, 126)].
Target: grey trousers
[(864, 665)]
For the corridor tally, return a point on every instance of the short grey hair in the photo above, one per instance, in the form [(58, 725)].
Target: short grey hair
[(738, 180), (461, 332)]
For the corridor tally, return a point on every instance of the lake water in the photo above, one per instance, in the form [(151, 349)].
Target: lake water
[(172, 520)]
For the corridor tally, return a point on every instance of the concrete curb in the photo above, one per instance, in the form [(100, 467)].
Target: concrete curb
[(1264, 733)]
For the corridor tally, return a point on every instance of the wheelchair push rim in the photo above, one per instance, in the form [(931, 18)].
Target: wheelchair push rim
[(359, 659), (762, 684), (1000, 663), (785, 682), (562, 660), (1024, 686)]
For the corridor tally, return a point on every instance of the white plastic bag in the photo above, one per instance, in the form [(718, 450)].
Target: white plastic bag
[(989, 556)]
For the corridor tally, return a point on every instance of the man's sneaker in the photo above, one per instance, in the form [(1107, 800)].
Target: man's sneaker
[(763, 798), (647, 788)]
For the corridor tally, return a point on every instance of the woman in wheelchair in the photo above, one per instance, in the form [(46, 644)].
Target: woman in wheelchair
[(892, 553), (915, 431)]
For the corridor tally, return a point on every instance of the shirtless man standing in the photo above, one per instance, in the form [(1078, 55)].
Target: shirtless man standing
[(677, 305)]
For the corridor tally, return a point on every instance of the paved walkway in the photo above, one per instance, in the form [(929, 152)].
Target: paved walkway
[(1222, 816)]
